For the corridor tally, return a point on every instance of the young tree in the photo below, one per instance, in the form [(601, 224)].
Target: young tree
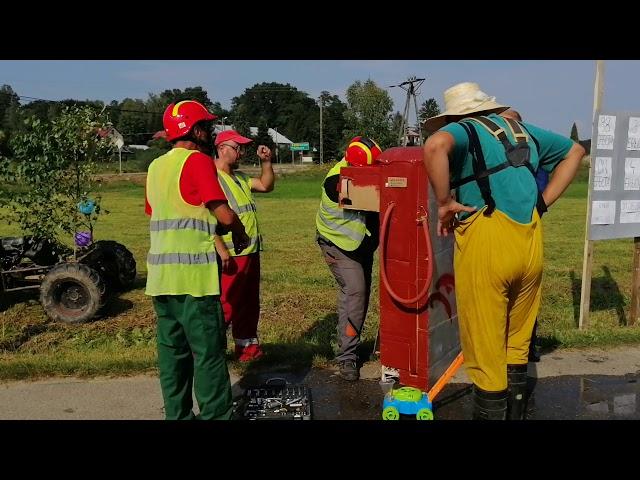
[(369, 113), (52, 166)]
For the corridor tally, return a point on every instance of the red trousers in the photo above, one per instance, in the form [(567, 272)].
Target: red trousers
[(241, 296)]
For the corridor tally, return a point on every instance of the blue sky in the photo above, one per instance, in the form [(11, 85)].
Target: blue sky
[(550, 93)]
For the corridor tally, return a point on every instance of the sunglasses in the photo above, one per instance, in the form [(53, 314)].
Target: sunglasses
[(237, 148)]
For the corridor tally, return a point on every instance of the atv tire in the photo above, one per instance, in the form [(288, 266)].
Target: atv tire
[(115, 262), (72, 293)]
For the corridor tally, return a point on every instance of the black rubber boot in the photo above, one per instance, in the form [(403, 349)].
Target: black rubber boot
[(517, 388), (534, 354), (489, 405)]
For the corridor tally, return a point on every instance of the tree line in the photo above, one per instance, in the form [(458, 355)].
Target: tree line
[(368, 110)]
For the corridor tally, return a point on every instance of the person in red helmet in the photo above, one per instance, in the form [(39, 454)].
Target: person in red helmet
[(348, 240), (187, 208), (241, 271)]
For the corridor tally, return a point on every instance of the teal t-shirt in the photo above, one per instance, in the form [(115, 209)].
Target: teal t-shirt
[(513, 189)]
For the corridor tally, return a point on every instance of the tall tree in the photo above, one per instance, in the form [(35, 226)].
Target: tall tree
[(9, 105), (396, 123), (369, 113), (428, 109), (133, 121), (292, 112), (333, 124), (8, 100), (156, 104)]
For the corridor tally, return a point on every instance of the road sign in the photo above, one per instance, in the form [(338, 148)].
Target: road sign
[(300, 146)]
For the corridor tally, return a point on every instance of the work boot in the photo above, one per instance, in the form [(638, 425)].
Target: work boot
[(489, 405), (517, 388), (348, 370)]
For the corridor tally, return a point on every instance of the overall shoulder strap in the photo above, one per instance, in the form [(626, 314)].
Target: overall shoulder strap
[(479, 168)]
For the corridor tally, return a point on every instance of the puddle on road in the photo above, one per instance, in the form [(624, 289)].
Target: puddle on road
[(591, 397)]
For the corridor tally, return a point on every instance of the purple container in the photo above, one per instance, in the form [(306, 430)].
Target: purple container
[(83, 239)]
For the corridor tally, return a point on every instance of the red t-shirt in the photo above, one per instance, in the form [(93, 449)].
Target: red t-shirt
[(198, 182)]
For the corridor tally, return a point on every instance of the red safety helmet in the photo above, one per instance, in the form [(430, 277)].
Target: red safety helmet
[(179, 118), (362, 151)]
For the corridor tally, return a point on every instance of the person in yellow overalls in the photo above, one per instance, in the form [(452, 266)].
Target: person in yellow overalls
[(491, 163)]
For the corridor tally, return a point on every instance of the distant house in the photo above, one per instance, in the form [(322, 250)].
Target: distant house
[(138, 147), (412, 137)]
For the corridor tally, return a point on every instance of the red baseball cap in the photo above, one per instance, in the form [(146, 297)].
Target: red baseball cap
[(231, 135)]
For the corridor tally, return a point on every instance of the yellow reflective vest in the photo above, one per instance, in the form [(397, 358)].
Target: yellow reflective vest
[(182, 255), (237, 189), (344, 228)]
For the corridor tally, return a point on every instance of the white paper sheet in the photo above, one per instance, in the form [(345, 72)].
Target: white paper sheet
[(630, 211), (633, 138), (606, 132), (603, 212), (632, 173), (602, 174)]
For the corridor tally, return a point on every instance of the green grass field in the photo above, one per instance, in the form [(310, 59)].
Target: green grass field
[(297, 326)]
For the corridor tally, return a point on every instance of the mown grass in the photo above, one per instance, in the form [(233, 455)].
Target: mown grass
[(298, 319)]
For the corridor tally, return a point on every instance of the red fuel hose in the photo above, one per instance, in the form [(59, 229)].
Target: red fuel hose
[(383, 271)]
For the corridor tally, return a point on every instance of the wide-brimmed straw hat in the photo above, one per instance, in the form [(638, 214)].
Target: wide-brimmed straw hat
[(463, 100)]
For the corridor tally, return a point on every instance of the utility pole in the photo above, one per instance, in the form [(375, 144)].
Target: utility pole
[(321, 146), (412, 91)]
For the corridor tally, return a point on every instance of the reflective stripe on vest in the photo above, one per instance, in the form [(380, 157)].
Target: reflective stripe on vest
[(182, 224), (182, 256), (241, 201), (342, 227)]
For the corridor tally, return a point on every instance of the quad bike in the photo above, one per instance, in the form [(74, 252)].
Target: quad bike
[(73, 287)]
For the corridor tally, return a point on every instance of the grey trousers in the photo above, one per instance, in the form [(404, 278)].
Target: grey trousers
[(352, 271)]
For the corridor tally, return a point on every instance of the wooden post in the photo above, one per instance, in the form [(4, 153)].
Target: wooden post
[(635, 285), (587, 261)]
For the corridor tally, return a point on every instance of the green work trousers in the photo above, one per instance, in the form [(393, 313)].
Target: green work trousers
[(191, 354)]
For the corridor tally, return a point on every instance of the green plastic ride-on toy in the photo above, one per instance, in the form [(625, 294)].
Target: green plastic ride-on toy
[(406, 401)]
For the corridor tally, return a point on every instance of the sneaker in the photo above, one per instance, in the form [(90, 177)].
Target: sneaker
[(348, 370), (248, 353)]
